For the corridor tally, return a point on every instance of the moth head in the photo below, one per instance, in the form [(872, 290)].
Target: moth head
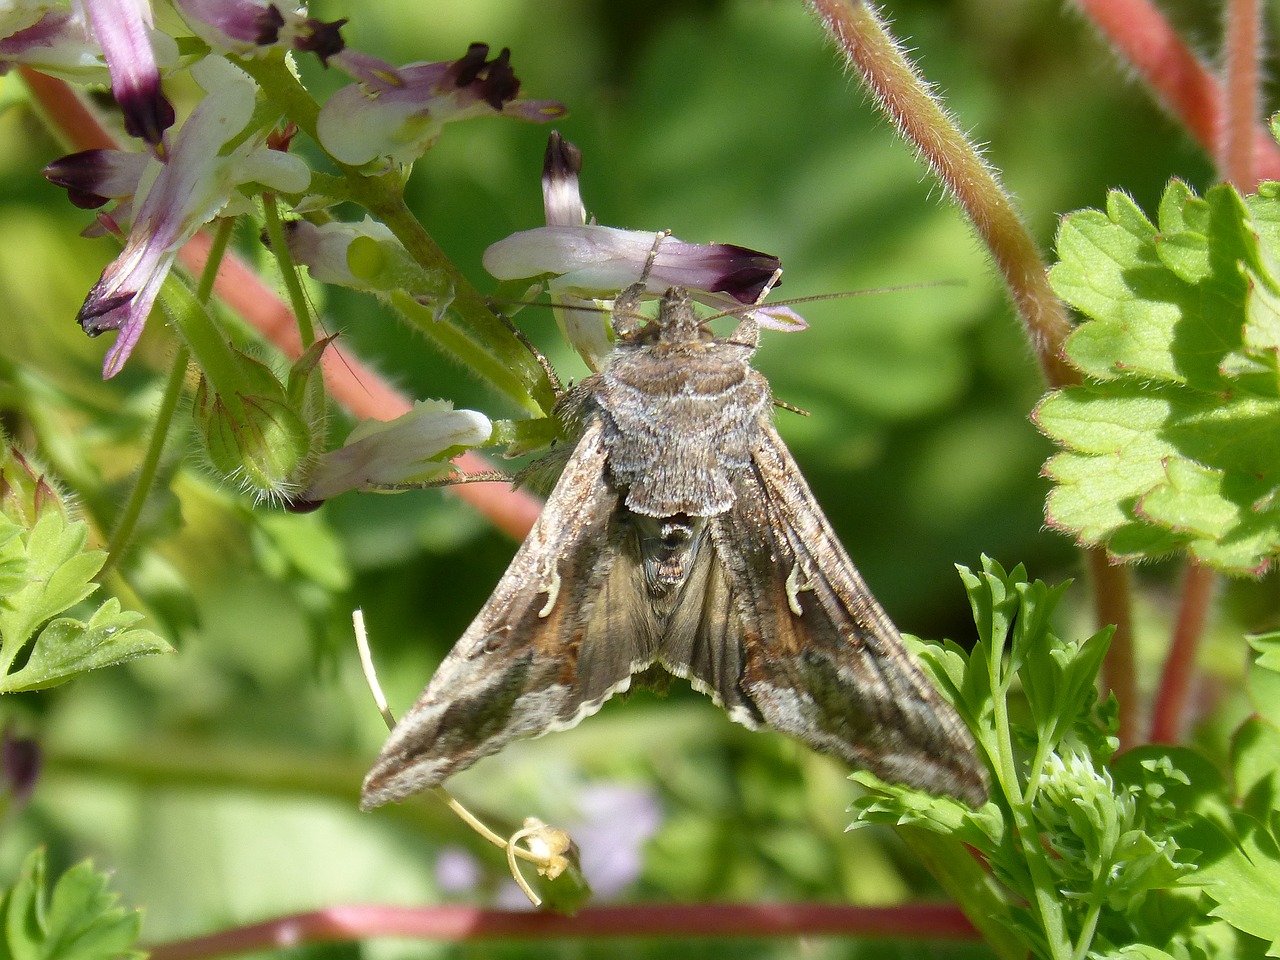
[(676, 325)]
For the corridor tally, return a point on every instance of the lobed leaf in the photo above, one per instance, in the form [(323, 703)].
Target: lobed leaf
[(1172, 443), (78, 921)]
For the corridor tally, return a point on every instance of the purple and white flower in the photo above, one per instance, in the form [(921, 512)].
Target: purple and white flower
[(124, 29), (96, 41), (177, 198), (587, 262), (413, 448), (398, 112), (249, 27)]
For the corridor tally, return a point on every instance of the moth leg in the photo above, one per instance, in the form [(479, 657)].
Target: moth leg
[(557, 385), (627, 319)]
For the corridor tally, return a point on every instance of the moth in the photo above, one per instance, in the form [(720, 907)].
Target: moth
[(682, 537)]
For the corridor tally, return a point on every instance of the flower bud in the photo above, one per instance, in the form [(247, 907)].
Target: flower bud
[(254, 436)]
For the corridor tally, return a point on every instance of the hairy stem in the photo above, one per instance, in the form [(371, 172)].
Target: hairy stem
[(920, 117), (288, 269)]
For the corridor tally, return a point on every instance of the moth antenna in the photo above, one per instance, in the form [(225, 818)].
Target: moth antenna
[(787, 406), (841, 295), (773, 282), (653, 256), (551, 863), (626, 315), (556, 384)]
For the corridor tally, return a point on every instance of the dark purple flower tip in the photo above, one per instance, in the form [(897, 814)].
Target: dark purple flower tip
[(561, 199), (102, 313), (492, 81), (467, 67), (322, 39), (301, 506), (267, 24), (22, 761), (94, 177), (147, 111), (746, 281)]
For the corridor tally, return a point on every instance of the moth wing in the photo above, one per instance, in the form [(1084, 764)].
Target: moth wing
[(563, 631), (820, 659)]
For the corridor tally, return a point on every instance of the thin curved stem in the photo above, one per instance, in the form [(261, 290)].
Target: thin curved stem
[(909, 102)]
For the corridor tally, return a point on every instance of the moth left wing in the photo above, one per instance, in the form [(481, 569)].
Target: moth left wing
[(564, 630), (788, 634)]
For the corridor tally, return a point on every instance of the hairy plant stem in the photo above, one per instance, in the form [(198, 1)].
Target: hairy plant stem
[(128, 520), (921, 119), (1236, 159), (288, 269)]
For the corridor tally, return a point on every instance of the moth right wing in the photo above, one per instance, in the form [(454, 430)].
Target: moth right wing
[(783, 631), (564, 630)]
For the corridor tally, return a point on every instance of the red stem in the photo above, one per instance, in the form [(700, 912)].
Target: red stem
[(1241, 108), (1178, 78), (1169, 715), (357, 387), (459, 923), (1112, 604)]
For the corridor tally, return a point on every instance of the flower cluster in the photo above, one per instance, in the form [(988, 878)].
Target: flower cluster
[(233, 147)]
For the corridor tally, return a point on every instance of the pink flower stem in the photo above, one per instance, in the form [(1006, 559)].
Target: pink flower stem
[(460, 923), (1181, 82)]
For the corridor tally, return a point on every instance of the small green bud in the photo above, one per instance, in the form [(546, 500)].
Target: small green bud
[(256, 436), (26, 493)]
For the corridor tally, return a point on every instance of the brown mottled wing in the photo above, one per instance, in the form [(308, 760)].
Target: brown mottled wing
[(564, 630), (820, 660)]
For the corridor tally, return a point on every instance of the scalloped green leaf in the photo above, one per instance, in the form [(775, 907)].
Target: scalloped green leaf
[(67, 647), (1175, 441), (78, 920), (54, 572)]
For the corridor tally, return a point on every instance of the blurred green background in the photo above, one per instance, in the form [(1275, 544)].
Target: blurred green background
[(219, 784)]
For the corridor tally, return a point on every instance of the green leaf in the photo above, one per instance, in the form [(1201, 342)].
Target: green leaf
[(52, 571), (80, 921), (1240, 870), (1173, 443), (57, 573), (66, 647), (1263, 678)]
